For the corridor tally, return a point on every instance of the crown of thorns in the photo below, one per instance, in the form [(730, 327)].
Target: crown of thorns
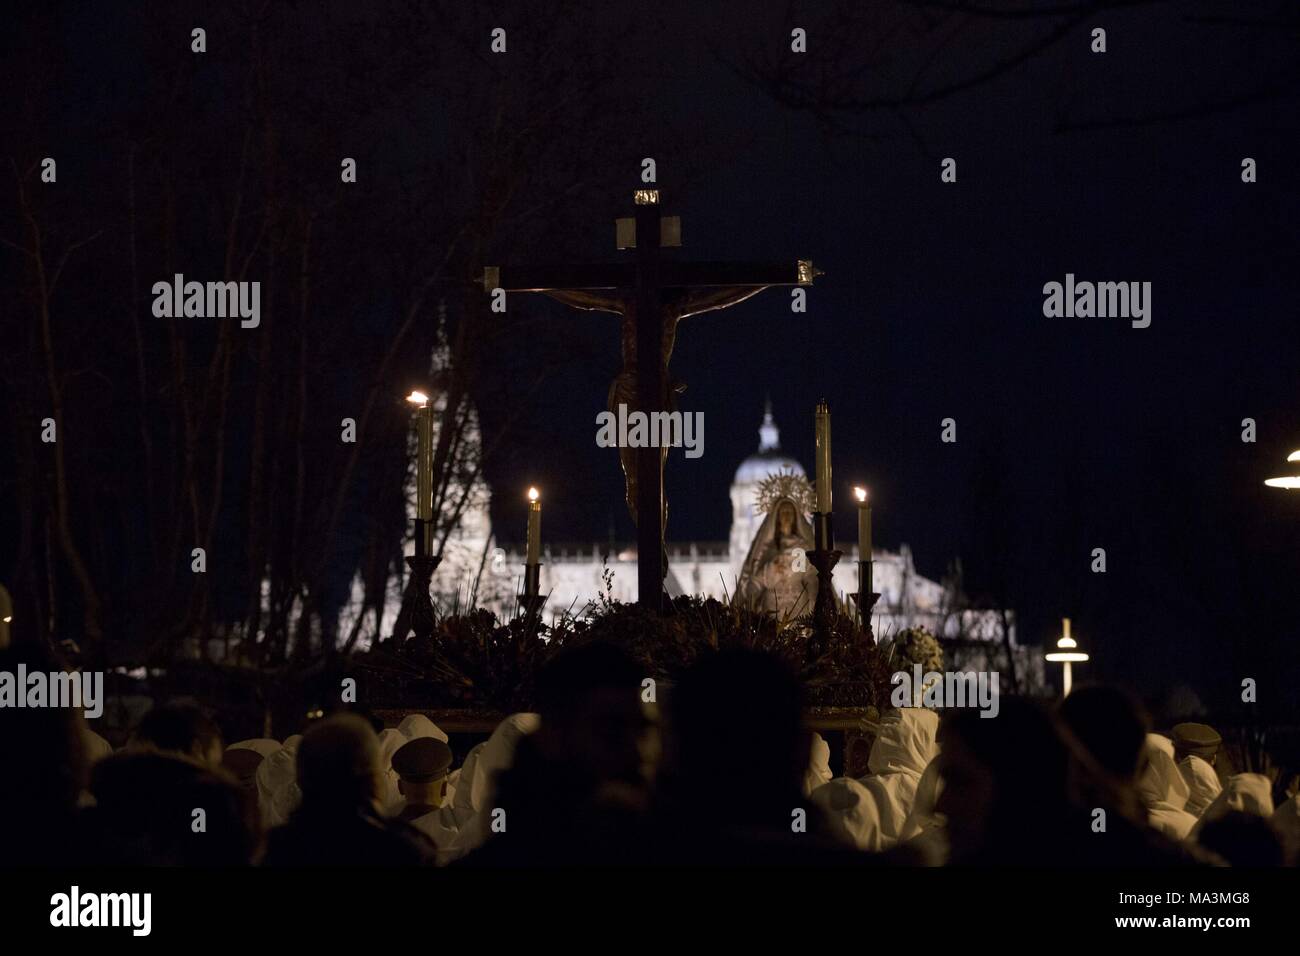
[(785, 484)]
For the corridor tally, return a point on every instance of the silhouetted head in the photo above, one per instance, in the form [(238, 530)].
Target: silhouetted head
[(183, 728), (1005, 781), (147, 805), (338, 763), (1243, 839), (331, 708), (1110, 724), (737, 720), (43, 755), (422, 765), (589, 701), (1197, 740)]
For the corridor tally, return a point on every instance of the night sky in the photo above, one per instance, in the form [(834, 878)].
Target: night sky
[(1073, 433)]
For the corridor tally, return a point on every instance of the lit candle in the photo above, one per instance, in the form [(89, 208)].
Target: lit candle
[(534, 526), (823, 457), (423, 466), (864, 530)]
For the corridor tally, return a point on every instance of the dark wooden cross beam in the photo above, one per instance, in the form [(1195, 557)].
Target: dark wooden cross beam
[(639, 287)]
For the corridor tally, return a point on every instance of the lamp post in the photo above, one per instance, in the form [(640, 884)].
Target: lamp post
[(1066, 653)]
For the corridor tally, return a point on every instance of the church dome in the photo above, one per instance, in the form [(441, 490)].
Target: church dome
[(769, 459)]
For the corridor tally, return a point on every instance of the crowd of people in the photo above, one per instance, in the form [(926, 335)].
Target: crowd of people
[(720, 770)]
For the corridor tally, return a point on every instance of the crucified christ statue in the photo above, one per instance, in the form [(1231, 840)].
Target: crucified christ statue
[(652, 285), (623, 390)]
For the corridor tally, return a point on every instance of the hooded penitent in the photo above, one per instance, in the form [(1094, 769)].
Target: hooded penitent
[(1286, 820), (411, 727), (819, 765), (263, 745), (463, 825), (1163, 791), (389, 741), (1244, 792), (414, 726), (850, 812), (903, 749), (277, 783), (497, 754), (924, 829), (1202, 782), (871, 811), (242, 764)]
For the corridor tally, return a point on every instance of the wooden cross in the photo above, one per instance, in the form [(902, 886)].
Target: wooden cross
[(652, 295)]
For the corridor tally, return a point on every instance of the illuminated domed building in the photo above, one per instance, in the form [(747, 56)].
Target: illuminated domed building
[(768, 460), (572, 576)]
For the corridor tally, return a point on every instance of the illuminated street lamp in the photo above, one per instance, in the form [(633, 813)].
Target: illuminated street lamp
[(1066, 653), (1290, 482)]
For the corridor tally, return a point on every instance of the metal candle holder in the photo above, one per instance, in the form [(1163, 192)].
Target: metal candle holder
[(531, 600), (823, 557), (416, 615), (866, 598)]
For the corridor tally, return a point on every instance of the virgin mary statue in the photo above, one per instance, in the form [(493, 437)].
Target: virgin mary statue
[(776, 575)]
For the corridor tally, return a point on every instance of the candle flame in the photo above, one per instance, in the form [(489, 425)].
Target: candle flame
[(1283, 482), (418, 398), (1294, 456), (860, 493), (533, 494)]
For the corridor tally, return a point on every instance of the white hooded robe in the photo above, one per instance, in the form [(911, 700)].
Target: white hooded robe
[(870, 812), (1163, 791), (1202, 782), (1244, 792)]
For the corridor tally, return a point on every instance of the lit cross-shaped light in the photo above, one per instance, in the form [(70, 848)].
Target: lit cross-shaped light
[(1286, 481), (1067, 652)]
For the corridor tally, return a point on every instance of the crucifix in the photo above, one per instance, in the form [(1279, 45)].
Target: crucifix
[(651, 295)]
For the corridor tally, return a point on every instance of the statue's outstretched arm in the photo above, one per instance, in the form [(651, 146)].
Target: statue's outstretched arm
[(592, 301), (706, 300)]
